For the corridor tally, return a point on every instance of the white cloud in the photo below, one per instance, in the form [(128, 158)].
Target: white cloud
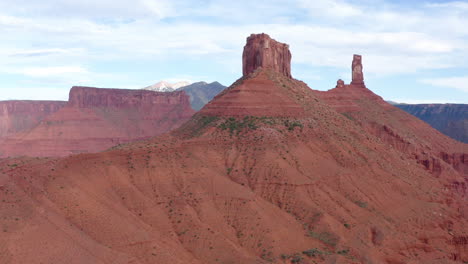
[(335, 8), (49, 71), (35, 93), (451, 5), (37, 52), (460, 83)]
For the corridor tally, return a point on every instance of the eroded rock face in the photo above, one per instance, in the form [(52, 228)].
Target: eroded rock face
[(96, 119), (263, 51), (356, 67), (86, 97), (16, 116)]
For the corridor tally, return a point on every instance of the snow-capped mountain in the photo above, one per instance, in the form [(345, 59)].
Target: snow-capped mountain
[(164, 86)]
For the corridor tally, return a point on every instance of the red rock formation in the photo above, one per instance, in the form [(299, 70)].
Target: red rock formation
[(96, 119), (357, 71), (259, 96), (89, 97), (433, 151), (340, 84), (263, 51), (16, 116), (318, 187)]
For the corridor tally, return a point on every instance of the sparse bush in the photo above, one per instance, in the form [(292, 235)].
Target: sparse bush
[(312, 252), (325, 237), (348, 115), (296, 259), (292, 125), (237, 126), (343, 252), (361, 204)]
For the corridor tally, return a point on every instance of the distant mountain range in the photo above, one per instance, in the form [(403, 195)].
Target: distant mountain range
[(164, 86), (200, 92), (449, 119)]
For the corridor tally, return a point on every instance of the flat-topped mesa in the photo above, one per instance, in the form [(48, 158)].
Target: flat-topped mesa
[(88, 97), (356, 67), (265, 52)]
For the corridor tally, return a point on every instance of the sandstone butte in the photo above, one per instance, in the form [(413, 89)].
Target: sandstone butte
[(92, 120), (270, 171)]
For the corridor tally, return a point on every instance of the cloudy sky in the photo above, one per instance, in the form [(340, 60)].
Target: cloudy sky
[(413, 51)]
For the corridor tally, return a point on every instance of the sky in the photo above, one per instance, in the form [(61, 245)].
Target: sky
[(413, 51)]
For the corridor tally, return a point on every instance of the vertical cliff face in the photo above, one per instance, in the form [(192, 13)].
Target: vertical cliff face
[(265, 52), (357, 72), (89, 97), (16, 116), (95, 119)]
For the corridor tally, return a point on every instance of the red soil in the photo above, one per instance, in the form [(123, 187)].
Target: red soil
[(314, 187)]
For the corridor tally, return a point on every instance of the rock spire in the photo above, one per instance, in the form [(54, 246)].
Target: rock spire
[(356, 67), (263, 51)]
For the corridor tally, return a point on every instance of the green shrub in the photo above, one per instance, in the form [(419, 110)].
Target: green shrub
[(292, 125), (325, 237), (296, 259), (343, 252), (361, 204), (312, 252), (234, 125)]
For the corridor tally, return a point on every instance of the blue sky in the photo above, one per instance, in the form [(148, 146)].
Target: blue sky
[(413, 51)]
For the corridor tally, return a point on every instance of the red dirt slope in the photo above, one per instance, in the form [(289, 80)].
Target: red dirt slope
[(258, 188)]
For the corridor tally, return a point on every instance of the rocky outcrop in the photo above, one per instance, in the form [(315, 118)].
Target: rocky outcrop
[(16, 116), (357, 72), (345, 97), (340, 84), (265, 52), (450, 119), (395, 127)]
